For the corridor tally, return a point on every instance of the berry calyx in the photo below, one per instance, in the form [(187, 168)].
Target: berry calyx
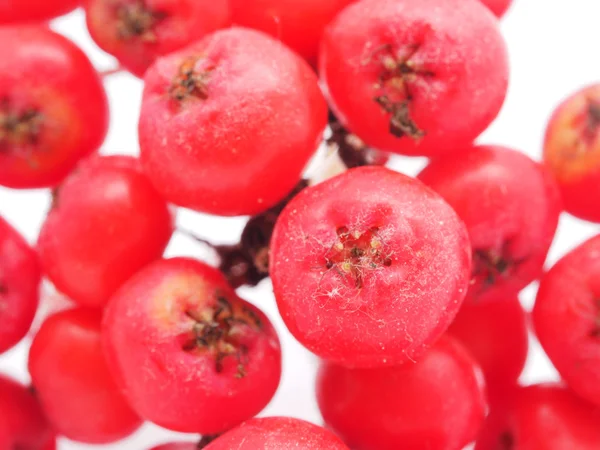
[(190, 81), (136, 20), (491, 266), (18, 128)]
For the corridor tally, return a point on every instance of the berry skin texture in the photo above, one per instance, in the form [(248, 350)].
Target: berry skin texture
[(437, 403), (66, 362), (277, 433), (136, 32), (491, 188), (19, 11), (229, 123), (415, 77), (188, 353), (107, 222), (369, 268), (53, 108), (22, 422), (543, 417), (572, 152), (498, 7), (495, 334), (19, 286), (297, 23), (566, 317)]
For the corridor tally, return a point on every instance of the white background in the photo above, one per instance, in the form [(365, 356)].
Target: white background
[(553, 48)]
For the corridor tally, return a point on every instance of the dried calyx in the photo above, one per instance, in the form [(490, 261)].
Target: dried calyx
[(190, 82), (18, 128), (592, 122), (135, 20), (490, 265)]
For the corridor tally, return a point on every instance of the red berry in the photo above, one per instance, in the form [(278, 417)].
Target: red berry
[(12, 11), (436, 404), (495, 333), (297, 23), (73, 382), (19, 286), (277, 433), (228, 124), (107, 222), (417, 77), (572, 152), (22, 423), (510, 205), (53, 108), (369, 267), (544, 417), (177, 446), (498, 7), (137, 32), (567, 318), (190, 355)]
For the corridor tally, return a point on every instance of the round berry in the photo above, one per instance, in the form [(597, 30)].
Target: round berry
[(228, 124), (106, 223), (277, 433), (53, 108), (13, 11), (566, 317), (510, 205), (189, 354), (19, 286), (369, 267), (572, 152), (437, 403), (417, 77), (137, 32)]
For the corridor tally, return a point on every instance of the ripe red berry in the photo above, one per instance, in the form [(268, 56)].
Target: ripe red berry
[(19, 286), (107, 222), (437, 403), (498, 7), (277, 433), (297, 23), (13, 11), (417, 77), (572, 152), (510, 205), (544, 417), (22, 423), (73, 382), (137, 32), (53, 108), (495, 333), (228, 124), (369, 267), (567, 318), (189, 354)]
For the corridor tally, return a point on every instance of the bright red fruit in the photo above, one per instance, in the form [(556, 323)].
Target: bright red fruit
[(297, 23), (228, 124), (106, 223), (73, 382), (189, 354), (137, 32), (22, 423), (437, 403), (417, 77), (572, 152), (19, 286), (278, 433), (566, 317), (498, 7), (369, 267), (495, 333), (544, 417), (53, 108), (510, 205), (12, 11)]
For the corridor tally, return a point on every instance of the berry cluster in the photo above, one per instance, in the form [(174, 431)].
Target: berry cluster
[(405, 288)]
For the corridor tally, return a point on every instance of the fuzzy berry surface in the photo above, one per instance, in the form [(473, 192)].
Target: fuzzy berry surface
[(27, 11), (437, 403), (369, 267), (189, 354), (510, 205), (106, 223), (53, 108), (415, 77), (229, 123), (566, 317), (137, 32)]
